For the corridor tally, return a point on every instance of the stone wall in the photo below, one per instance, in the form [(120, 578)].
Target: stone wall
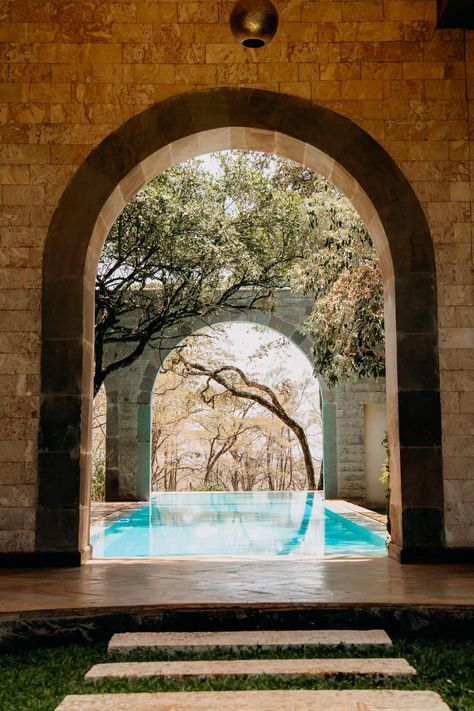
[(350, 399), (72, 72), (130, 391), (130, 394)]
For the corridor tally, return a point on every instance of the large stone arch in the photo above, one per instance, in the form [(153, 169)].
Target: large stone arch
[(175, 130)]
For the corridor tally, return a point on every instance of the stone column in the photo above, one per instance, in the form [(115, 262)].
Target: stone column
[(111, 447), (143, 472), (328, 415), (128, 443), (350, 442)]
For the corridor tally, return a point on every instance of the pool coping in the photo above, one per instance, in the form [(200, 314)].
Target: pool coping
[(357, 514)]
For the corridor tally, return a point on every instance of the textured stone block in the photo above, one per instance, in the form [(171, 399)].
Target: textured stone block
[(252, 667), (386, 700), (263, 639)]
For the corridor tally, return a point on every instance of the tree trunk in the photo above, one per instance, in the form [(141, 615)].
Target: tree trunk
[(272, 404), (308, 459)]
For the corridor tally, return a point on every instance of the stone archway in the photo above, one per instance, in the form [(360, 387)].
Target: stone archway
[(178, 129), (128, 469)]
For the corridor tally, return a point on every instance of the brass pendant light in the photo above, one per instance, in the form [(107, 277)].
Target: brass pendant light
[(254, 22)]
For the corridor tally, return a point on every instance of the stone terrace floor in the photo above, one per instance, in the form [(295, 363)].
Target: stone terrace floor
[(151, 584)]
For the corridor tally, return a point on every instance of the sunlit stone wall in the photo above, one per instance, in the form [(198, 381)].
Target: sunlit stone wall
[(350, 399), (72, 72)]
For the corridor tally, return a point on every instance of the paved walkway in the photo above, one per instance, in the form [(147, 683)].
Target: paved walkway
[(251, 700)]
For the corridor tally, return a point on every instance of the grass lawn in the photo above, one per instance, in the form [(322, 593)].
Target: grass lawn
[(39, 678)]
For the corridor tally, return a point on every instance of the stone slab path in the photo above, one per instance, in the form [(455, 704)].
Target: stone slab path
[(260, 640), (253, 700), (252, 667), (373, 700)]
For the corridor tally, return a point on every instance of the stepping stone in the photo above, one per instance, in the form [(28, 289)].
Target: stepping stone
[(252, 667), (351, 700), (257, 640)]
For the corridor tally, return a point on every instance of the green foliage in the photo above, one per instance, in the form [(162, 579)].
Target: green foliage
[(346, 322), (38, 679), (98, 480), (384, 477), (186, 244), (342, 272)]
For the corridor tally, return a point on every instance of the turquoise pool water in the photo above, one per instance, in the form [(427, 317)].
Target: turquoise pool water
[(234, 524)]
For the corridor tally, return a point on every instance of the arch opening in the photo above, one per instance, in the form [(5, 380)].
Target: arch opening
[(181, 128), (145, 381), (238, 431)]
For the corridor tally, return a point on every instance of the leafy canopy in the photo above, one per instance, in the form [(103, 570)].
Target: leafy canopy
[(346, 322), (193, 242), (187, 244)]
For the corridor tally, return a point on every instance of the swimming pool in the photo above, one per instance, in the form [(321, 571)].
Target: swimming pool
[(234, 524)]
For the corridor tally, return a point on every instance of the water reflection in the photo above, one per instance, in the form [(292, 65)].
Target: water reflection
[(234, 524)]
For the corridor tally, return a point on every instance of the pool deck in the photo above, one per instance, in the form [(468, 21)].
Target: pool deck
[(126, 595), (129, 584)]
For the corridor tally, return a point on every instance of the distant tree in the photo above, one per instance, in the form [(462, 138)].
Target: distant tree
[(185, 246), (173, 407), (233, 380), (222, 435), (226, 441)]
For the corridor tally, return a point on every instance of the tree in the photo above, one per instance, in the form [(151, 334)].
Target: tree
[(238, 384), (192, 243), (186, 246), (346, 322), (226, 442), (342, 273), (172, 406), (99, 419)]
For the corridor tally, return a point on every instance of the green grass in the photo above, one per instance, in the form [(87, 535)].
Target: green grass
[(38, 679)]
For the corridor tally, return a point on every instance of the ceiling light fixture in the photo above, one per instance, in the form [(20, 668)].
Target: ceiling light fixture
[(254, 22)]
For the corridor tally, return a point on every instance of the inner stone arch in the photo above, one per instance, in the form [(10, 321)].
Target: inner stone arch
[(129, 438), (176, 130)]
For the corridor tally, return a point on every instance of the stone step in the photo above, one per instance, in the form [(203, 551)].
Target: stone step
[(384, 667), (350, 700), (173, 642)]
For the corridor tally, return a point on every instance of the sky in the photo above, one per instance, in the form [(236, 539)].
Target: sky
[(245, 339), (210, 163)]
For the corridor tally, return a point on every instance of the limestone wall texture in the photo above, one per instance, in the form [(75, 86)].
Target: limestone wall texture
[(350, 399), (72, 72)]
